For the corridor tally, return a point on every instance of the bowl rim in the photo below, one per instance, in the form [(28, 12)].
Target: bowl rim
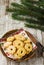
[(10, 32)]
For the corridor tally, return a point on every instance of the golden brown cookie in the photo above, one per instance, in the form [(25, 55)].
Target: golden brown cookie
[(28, 47), (11, 49), (16, 56), (6, 44), (21, 52), (10, 39), (19, 37), (18, 43)]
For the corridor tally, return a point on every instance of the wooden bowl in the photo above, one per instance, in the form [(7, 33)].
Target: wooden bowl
[(28, 56)]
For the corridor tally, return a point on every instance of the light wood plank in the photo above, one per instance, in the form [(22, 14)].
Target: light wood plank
[(9, 26), (43, 38), (3, 59), (39, 38), (43, 44), (14, 63), (23, 63), (33, 60)]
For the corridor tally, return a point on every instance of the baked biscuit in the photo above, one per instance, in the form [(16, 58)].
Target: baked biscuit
[(11, 49), (6, 44), (16, 56), (28, 47), (18, 43), (19, 37), (10, 39), (21, 52)]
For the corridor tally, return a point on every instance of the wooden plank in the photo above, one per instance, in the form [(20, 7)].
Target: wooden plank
[(43, 44), (9, 26), (4, 27), (32, 31), (3, 59), (30, 61), (2, 8), (23, 63), (39, 38), (14, 63), (43, 38), (15, 25), (36, 60)]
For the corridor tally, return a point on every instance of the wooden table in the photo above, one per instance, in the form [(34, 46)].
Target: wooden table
[(6, 24)]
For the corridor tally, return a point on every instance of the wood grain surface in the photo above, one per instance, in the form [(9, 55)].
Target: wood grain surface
[(7, 24)]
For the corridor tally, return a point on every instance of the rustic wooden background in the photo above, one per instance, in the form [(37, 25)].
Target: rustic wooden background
[(6, 24)]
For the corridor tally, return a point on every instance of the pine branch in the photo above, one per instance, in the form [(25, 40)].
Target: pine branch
[(29, 20), (28, 6), (17, 17), (30, 23), (34, 8), (35, 26), (33, 1), (24, 9), (25, 12), (17, 5), (38, 3), (34, 21)]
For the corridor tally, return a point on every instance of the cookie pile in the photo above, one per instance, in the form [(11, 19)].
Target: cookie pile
[(17, 46)]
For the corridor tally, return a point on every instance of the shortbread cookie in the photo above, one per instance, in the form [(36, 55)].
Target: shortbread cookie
[(11, 49), (6, 44), (18, 43), (19, 37), (10, 39), (21, 52), (28, 47)]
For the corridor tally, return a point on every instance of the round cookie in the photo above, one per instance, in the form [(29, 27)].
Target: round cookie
[(11, 49), (21, 52), (10, 39), (6, 44), (28, 48), (19, 37), (16, 56), (18, 43)]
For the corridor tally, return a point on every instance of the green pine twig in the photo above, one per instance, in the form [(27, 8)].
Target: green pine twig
[(29, 20), (25, 12), (35, 26), (34, 8), (38, 3)]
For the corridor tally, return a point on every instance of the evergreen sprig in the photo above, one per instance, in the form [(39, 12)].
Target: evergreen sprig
[(34, 8), (27, 19), (28, 12), (38, 3), (36, 26)]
